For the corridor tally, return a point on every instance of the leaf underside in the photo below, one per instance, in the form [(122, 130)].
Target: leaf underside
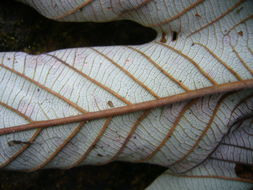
[(183, 101)]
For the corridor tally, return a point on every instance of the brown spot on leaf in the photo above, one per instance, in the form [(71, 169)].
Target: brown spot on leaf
[(163, 39), (109, 103), (198, 15), (240, 33)]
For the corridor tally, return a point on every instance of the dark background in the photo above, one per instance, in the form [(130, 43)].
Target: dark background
[(23, 29)]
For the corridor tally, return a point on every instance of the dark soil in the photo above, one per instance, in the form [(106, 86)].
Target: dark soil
[(120, 176), (23, 29)]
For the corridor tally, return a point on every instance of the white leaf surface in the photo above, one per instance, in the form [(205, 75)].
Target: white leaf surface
[(177, 101), (218, 172), (208, 176)]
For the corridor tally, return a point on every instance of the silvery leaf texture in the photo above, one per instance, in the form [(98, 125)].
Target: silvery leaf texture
[(184, 100)]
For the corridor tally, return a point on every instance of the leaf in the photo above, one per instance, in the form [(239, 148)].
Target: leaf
[(218, 172), (204, 177), (173, 102)]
